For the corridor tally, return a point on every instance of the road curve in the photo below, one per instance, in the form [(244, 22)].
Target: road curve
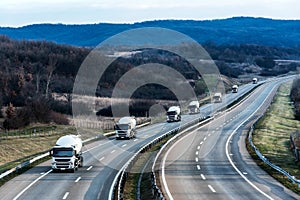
[(212, 162), (102, 160)]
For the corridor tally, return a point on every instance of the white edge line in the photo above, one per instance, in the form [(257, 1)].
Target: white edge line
[(90, 167), (229, 158), (36, 180)]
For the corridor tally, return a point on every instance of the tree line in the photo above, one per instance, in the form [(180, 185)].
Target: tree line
[(31, 71)]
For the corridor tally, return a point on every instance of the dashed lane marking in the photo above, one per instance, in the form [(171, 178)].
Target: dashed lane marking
[(211, 188), (78, 179), (66, 195)]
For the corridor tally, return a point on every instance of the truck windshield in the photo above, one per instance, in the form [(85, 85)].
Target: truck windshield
[(62, 152), (171, 113), (122, 127)]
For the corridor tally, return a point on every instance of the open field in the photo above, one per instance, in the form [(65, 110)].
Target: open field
[(19, 147), (272, 137)]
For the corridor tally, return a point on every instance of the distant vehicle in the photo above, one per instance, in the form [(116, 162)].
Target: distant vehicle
[(217, 98), (173, 114), (67, 153), (194, 107), (234, 89), (125, 128), (254, 80)]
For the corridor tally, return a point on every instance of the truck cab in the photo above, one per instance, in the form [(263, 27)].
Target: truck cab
[(217, 98), (67, 154), (125, 128), (173, 114), (234, 89), (254, 80), (194, 107)]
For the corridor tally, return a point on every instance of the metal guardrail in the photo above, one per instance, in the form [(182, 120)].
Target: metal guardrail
[(23, 164), (266, 161)]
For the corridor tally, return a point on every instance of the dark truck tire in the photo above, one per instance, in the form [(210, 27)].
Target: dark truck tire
[(81, 162)]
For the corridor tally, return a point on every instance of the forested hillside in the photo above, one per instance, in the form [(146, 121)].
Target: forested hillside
[(32, 71), (232, 31)]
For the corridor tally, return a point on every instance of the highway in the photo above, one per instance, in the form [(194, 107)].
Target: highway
[(102, 160), (212, 162)]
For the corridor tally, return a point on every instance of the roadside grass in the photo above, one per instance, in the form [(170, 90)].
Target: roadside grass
[(272, 137), (16, 149)]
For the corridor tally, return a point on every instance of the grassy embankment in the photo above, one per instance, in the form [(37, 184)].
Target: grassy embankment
[(272, 136), (18, 146)]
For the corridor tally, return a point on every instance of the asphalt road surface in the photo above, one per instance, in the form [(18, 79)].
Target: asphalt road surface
[(102, 160), (213, 163)]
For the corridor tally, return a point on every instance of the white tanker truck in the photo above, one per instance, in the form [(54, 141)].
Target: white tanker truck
[(125, 128), (194, 107), (67, 153), (173, 114)]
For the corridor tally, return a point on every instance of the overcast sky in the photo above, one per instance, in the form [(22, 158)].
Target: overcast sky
[(15, 13)]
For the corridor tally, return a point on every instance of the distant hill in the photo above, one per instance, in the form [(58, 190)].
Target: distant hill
[(232, 31)]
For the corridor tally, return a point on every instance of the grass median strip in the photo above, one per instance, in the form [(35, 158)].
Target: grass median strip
[(131, 184), (272, 137)]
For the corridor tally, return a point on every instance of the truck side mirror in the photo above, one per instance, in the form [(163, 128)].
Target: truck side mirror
[(51, 152)]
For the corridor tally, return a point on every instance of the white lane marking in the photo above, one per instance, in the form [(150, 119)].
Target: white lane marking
[(196, 159), (113, 151), (229, 158), (66, 195), (203, 177), (217, 129), (201, 142), (36, 180), (78, 179), (135, 140), (198, 167), (124, 145), (213, 132), (164, 181), (209, 134), (204, 138), (197, 152), (211, 188), (90, 167), (102, 158), (96, 147), (245, 173), (198, 147)]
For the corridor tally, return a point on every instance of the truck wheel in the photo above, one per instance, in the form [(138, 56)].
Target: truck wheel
[(81, 162)]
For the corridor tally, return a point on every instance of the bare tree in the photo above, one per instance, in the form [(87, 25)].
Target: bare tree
[(50, 69)]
